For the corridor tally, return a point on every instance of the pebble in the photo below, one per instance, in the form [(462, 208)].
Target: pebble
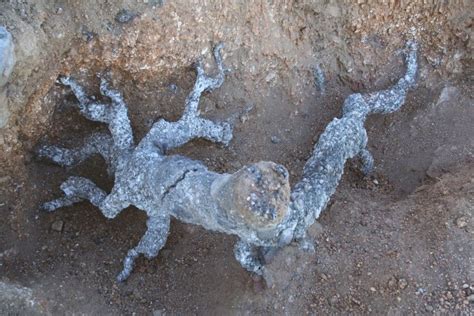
[(470, 298), (429, 308), (57, 226), (420, 291), (392, 282), (88, 36), (461, 222), (244, 118), (449, 295), (275, 139), (124, 16), (173, 88), (402, 283)]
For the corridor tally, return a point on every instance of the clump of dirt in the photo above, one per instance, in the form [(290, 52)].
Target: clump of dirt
[(382, 246)]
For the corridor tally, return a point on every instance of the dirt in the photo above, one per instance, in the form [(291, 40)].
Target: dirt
[(397, 242)]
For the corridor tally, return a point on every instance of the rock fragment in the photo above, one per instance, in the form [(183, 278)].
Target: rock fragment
[(125, 16), (275, 139), (402, 284), (392, 282), (461, 222), (57, 226)]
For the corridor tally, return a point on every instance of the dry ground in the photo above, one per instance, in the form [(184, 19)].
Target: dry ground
[(397, 242)]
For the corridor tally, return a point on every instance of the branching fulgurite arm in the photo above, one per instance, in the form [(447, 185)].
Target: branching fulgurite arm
[(168, 135), (390, 100), (95, 144), (76, 189), (115, 115), (343, 139), (115, 149), (111, 148)]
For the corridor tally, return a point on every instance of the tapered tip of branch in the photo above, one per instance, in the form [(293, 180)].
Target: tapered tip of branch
[(218, 57), (219, 46), (64, 80), (198, 67), (411, 45)]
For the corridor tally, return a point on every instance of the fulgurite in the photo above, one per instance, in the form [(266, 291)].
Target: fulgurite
[(254, 203)]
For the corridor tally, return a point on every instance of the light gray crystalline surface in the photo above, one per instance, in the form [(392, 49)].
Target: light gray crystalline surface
[(253, 203), (7, 55), (7, 61)]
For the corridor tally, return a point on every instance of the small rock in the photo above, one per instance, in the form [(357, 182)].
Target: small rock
[(355, 301), (333, 300), (244, 118), (372, 289), (402, 284), (461, 222), (470, 298), (376, 182), (429, 308), (270, 77), (275, 139), (468, 290), (88, 36), (173, 88), (449, 295), (57, 226), (18, 300), (124, 16), (420, 291), (392, 282)]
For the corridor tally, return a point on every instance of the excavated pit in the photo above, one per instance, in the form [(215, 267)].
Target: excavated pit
[(398, 241)]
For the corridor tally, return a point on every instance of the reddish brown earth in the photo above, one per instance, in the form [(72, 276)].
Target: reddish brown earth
[(398, 242)]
